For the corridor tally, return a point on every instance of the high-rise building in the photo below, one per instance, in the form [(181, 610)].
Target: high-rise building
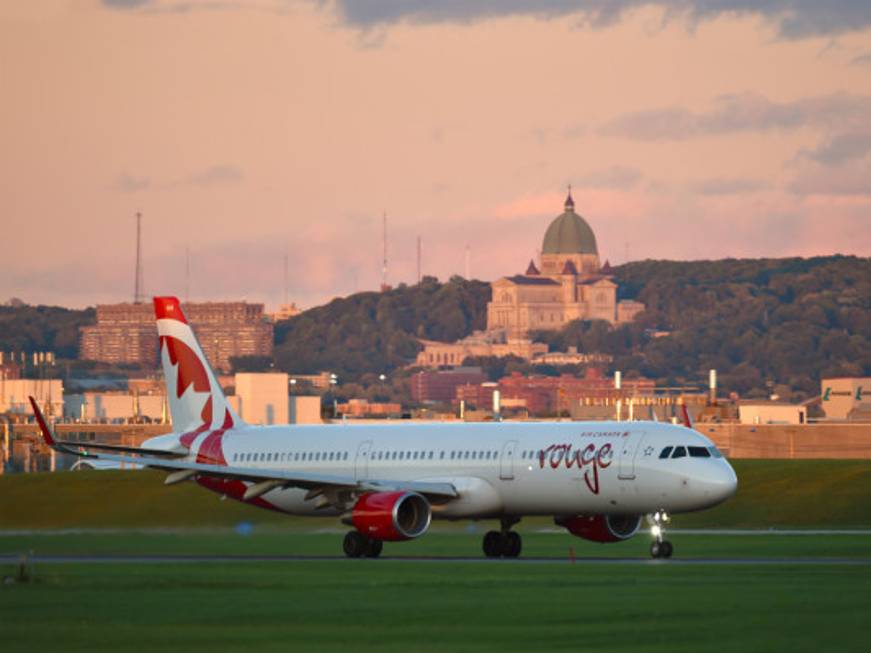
[(125, 333)]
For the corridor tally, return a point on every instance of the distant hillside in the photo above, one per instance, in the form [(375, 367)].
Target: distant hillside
[(767, 325), (43, 328), (762, 323), (375, 332)]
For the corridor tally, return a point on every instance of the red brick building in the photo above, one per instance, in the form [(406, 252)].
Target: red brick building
[(549, 395), (441, 386)]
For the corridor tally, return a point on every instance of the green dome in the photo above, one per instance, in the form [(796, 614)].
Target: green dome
[(569, 233)]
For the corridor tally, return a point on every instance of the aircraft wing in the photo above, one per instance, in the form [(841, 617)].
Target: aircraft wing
[(263, 479)]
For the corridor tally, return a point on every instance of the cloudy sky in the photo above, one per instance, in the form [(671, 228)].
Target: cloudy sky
[(250, 131)]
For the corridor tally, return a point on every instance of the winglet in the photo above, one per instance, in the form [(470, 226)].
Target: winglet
[(686, 416), (43, 426)]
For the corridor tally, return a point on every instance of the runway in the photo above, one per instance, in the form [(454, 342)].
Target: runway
[(242, 559)]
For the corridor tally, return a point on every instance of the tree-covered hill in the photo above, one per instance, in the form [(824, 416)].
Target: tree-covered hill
[(765, 324), (762, 323), (376, 332), (43, 328)]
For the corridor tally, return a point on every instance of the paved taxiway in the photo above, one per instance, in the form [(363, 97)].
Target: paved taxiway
[(223, 559)]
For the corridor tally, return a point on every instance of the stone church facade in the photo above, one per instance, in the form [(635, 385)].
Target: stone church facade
[(569, 285)]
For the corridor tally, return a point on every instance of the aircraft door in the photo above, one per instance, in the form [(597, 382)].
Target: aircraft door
[(361, 462), (629, 445), (506, 462)]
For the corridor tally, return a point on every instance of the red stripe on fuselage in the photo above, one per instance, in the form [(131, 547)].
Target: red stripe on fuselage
[(211, 451), (234, 489)]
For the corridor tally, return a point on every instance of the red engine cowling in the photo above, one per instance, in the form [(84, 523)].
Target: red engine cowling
[(391, 516), (601, 528)]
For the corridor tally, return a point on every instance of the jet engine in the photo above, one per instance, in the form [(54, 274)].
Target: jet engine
[(601, 528), (391, 516)]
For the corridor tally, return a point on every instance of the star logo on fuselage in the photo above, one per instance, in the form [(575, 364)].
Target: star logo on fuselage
[(648, 451)]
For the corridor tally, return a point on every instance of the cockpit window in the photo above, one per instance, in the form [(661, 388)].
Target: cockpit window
[(679, 452), (715, 452), (666, 452), (699, 452)]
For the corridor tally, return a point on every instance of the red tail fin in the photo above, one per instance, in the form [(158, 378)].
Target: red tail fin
[(195, 397), (686, 416)]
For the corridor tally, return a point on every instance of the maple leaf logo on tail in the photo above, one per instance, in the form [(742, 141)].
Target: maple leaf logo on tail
[(196, 400)]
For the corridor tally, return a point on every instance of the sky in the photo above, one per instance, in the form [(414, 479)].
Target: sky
[(247, 133)]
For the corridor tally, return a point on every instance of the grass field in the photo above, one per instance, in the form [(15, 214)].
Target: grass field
[(386, 605), (771, 493), (419, 605)]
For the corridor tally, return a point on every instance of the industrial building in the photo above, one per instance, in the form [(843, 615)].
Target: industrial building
[(49, 394), (846, 398)]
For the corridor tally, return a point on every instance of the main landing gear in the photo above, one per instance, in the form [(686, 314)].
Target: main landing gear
[(504, 543), (357, 545), (660, 547)]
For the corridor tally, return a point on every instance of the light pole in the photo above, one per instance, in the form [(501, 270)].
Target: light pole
[(334, 381)]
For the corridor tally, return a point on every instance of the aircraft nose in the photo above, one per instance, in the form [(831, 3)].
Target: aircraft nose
[(722, 484)]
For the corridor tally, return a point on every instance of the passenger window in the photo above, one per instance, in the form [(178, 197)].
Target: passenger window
[(679, 452), (699, 452), (401, 455), (442, 455), (666, 452), (452, 454)]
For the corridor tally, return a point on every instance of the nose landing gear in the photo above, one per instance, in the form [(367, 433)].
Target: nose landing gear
[(660, 547), (503, 543)]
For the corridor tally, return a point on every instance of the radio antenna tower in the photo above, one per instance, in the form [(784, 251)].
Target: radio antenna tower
[(137, 284), (285, 279), (187, 274), (418, 260), (384, 286)]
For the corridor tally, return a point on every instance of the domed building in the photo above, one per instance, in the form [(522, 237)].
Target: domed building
[(570, 284)]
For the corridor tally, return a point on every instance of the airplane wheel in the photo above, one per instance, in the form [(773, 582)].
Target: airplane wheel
[(373, 548), (667, 548), (513, 545), (354, 544), (493, 544), (656, 550)]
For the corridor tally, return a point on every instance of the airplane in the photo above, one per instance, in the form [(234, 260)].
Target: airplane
[(388, 482)]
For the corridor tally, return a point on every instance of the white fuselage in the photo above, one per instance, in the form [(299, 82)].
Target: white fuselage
[(498, 468)]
